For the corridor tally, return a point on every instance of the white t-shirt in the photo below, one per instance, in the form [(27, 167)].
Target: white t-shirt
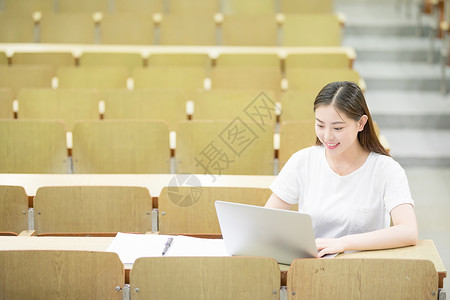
[(342, 205)]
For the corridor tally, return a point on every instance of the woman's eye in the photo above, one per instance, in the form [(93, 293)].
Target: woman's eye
[(339, 128)]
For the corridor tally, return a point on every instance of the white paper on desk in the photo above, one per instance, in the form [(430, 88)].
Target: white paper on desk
[(130, 247)]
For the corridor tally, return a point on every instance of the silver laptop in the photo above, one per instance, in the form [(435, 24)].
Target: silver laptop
[(249, 230)]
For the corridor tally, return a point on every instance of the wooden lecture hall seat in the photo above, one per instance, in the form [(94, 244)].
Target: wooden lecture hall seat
[(306, 6), (127, 29), (121, 146), (248, 60), (16, 28), (14, 210), (56, 274), (105, 59), (67, 28), (27, 7), (179, 59), (25, 76), (318, 60), (6, 102), (138, 6), (92, 210), (249, 30), (33, 146), (54, 59), (190, 209), (297, 105), (193, 8), (257, 7), (83, 6), (208, 278)]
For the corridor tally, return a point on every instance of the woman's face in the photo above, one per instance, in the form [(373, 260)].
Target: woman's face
[(335, 130)]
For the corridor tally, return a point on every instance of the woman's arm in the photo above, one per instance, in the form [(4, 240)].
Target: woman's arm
[(275, 202), (404, 232)]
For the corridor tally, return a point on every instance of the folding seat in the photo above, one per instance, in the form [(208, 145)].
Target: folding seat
[(199, 30), (121, 147), (16, 28), (33, 147), (218, 147), (54, 59), (249, 30), (146, 104), (127, 29), (13, 210), (113, 59), (25, 76), (6, 103), (139, 6), (306, 6), (92, 210), (67, 105), (193, 8), (250, 7), (318, 30), (84, 6), (28, 6), (67, 28), (248, 60)]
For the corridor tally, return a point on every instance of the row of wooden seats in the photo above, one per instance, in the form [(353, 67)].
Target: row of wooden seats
[(169, 6), (101, 275), (188, 78), (148, 29), (169, 105), (143, 146)]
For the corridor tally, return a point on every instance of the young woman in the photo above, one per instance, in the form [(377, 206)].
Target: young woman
[(347, 183)]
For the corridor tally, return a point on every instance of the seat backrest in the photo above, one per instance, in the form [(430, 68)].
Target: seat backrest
[(297, 105), (190, 209), (16, 28), (295, 135), (83, 6), (67, 28), (198, 30), (28, 6), (209, 278), (29, 76), (105, 59), (248, 60), (33, 147), (179, 59), (127, 29), (6, 100), (54, 59), (318, 30), (362, 279), (68, 105), (147, 104), (318, 60), (121, 146), (221, 147), (306, 6), (193, 8), (92, 209), (249, 30), (55, 274), (14, 209), (138, 6), (249, 7)]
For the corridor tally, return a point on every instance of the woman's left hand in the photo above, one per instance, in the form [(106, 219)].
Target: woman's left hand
[(329, 246)]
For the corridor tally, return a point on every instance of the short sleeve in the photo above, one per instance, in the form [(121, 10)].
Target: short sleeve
[(396, 190), (287, 185)]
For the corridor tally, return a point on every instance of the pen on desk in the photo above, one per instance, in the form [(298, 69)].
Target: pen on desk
[(167, 245)]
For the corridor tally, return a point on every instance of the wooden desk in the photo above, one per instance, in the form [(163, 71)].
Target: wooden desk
[(424, 250)]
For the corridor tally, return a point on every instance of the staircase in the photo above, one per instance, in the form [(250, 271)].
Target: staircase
[(403, 86)]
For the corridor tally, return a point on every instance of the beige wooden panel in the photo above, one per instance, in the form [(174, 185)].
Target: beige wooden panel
[(199, 30), (54, 274), (315, 79), (3, 58), (139, 6), (101, 77), (249, 30), (16, 28), (190, 209), (318, 60), (13, 209), (32, 147), (67, 105), (54, 59), (318, 30), (262, 78), (87, 6), (28, 6), (67, 28), (205, 278), (127, 29), (6, 100), (188, 78), (218, 147), (229, 104), (92, 209), (164, 105), (205, 7), (179, 59), (297, 105), (19, 77), (306, 6), (249, 60), (295, 135), (362, 279), (128, 147), (105, 59), (249, 7)]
